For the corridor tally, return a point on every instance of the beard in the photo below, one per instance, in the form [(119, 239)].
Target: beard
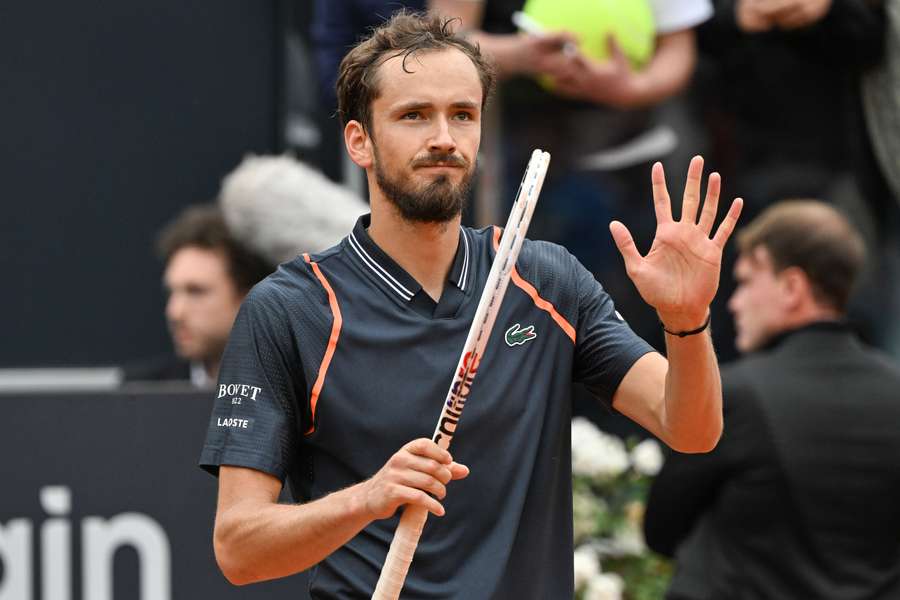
[(435, 202)]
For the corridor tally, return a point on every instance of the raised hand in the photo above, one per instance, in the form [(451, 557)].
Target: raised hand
[(679, 276)]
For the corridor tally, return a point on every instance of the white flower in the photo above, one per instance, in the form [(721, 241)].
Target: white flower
[(594, 453), (647, 457), (629, 541), (605, 586), (587, 565), (586, 509)]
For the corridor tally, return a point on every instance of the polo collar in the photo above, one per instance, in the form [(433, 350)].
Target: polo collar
[(392, 276)]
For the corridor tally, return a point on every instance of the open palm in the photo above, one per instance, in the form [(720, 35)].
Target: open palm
[(679, 276)]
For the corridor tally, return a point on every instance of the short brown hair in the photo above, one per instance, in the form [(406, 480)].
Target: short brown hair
[(813, 237), (403, 35), (203, 226)]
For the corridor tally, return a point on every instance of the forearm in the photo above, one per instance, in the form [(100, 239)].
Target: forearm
[(256, 540), (669, 71), (692, 410), (504, 50)]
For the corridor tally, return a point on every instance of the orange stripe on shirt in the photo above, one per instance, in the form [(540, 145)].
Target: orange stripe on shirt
[(332, 341), (535, 296)]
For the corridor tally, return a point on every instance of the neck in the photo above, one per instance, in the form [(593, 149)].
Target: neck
[(424, 250), (211, 366), (812, 312)]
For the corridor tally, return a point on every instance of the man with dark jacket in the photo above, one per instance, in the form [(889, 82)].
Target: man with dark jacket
[(800, 498)]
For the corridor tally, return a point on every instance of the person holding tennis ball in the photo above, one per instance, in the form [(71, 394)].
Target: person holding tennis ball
[(627, 54), (338, 363)]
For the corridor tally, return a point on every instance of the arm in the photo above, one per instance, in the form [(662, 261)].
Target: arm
[(513, 54), (256, 538), (679, 400), (822, 28), (615, 83)]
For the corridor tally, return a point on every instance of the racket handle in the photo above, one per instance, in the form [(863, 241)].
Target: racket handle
[(400, 555)]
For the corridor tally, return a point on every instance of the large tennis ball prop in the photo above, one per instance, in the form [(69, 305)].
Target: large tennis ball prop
[(630, 22)]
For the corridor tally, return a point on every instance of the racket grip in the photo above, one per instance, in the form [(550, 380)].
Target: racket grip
[(400, 555)]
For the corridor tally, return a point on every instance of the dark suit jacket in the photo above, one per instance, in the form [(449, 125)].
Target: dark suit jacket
[(801, 497)]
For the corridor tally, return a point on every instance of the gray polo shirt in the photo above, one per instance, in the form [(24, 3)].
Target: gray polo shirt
[(338, 359)]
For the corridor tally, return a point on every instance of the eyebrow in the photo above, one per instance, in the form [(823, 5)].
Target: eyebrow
[(419, 105)]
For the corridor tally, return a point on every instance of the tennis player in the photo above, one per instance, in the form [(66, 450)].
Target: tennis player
[(338, 363)]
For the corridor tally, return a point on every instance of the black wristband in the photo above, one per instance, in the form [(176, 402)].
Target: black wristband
[(682, 334)]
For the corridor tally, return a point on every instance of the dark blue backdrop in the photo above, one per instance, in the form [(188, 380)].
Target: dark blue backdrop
[(114, 115)]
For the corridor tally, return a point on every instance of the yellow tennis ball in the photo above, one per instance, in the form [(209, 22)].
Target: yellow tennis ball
[(630, 22)]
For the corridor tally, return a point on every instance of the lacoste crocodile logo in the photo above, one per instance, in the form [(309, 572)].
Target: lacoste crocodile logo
[(516, 336)]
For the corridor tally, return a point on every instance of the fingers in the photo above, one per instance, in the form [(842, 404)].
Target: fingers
[(424, 482), (615, 52), (458, 471), (428, 449), (417, 474), (625, 244), (661, 203), (711, 204), (692, 190), (409, 495), (726, 227), (558, 39)]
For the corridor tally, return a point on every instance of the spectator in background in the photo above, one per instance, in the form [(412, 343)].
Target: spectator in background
[(778, 90), (881, 103), (337, 26), (270, 209), (207, 274), (799, 498)]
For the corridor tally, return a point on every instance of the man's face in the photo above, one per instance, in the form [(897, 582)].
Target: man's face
[(759, 301), (203, 302), (426, 127)]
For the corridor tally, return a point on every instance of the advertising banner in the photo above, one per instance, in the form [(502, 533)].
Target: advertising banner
[(101, 499)]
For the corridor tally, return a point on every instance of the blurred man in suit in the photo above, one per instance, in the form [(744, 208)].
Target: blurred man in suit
[(800, 498), (207, 274)]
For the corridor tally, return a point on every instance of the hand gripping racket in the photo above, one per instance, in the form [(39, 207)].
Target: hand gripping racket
[(406, 538)]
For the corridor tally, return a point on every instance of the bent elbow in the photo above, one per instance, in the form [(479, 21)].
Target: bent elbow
[(228, 558), (698, 444)]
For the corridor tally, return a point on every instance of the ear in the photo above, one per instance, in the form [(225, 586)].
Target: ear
[(796, 287), (359, 144)]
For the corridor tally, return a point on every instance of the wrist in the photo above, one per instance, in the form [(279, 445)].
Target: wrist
[(684, 322), (357, 502)]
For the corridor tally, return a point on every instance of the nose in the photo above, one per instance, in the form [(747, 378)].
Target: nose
[(732, 302), (441, 139), (174, 308)]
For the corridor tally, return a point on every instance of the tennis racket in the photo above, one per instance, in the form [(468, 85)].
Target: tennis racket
[(406, 538)]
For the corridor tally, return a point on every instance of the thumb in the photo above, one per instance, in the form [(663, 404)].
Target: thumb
[(625, 244)]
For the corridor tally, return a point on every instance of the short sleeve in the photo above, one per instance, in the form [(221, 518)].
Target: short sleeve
[(677, 15), (255, 420), (606, 347)]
